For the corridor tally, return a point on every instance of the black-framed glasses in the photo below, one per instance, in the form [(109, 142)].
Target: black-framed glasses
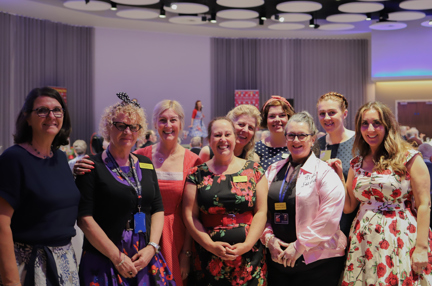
[(44, 111), (121, 126), (301, 137)]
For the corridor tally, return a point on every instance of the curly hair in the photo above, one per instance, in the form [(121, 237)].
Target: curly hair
[(24, 132), (336, 97), (165, 104), (252, 111), (287, 108), (392, 151), (132, 112)]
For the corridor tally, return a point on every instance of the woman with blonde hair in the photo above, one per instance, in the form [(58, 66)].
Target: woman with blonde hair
[(246, 119), (390, 236)]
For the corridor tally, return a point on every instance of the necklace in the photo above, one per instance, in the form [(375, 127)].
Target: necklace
[(162, 159), (37, 151)]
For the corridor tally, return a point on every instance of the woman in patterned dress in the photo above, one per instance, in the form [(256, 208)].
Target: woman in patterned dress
[(225, 209), (275, 114), (197, 127), (390, 236)]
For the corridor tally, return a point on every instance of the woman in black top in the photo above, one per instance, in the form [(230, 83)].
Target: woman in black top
[(38, 197), (121, 211)]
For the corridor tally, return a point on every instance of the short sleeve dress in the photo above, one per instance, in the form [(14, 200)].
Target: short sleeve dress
[(384, 232), (198, 128), (222, 195)]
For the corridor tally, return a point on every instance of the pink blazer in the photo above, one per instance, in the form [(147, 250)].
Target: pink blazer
[(320, 198)]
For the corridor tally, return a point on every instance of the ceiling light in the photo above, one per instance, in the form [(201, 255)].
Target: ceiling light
[(276, 17), (263, 18), (173, 6), (213, 18), (261, 21), (113, 6), (368, 16), (430, 22), (281, 19), (311, 23), (204, 18), (162, 13)]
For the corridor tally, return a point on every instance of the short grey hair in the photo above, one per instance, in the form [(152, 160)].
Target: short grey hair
[(195, 141), (426, 150), (304, 117)]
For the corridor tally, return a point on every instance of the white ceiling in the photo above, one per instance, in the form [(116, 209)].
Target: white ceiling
[(55, 11)]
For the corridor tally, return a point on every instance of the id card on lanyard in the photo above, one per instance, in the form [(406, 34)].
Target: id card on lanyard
[(139, 217), (282, 216)]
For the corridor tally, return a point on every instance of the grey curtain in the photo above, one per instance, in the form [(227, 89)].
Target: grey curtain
[(36, 53), (301, 69)]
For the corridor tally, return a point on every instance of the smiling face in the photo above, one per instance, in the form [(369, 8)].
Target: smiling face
[(50, 125), (331, 115), (276, 119), (168, 125), (245, 127), (299, 150), (125, 139), (222, 138), (372, 129)]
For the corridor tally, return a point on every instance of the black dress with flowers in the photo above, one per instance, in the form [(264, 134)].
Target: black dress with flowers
[(224, 194)]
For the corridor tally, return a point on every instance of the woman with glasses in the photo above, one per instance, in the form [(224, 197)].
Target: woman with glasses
[(121, 211), (38, 197), (305, 204)]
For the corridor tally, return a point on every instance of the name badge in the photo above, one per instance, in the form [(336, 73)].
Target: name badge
[(146, 166), (284, 155), (325, 155), (280, 206), (240, 179), (281, 218), (139, 222)]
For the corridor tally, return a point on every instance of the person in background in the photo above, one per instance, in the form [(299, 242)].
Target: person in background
[(195, 145), (390, 236), (305, 204), (150, 138), (413, 137), (246, 119), (275, 114), (80, 149), (197, 127), (38, 197), (225, 210)]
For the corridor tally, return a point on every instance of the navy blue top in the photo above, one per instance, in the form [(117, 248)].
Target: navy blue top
[(42, 193)]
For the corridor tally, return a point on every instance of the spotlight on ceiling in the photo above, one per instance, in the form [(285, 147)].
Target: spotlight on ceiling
[(368, 16), (174, 6), (311, 23), (204, 18), (213, 18), (113, 6), (261, 21), (277, 17), (281, 19), (430, 22), (162, 13)]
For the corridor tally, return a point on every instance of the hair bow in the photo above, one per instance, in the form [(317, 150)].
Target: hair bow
[(277, 97), (125, 98)]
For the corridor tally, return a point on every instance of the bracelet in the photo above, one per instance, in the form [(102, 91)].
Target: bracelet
[(268, 239), (124, 257)]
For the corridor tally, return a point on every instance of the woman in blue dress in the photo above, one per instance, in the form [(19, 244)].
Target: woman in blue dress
[(197, 127)]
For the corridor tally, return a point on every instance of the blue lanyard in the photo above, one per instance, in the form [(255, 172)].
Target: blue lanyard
[(281, 192)]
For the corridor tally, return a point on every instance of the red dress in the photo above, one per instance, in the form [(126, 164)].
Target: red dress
[(174, 229)]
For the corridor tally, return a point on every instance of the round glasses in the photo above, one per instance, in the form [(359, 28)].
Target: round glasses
[(301, 137), (122, 126), (44, 111)]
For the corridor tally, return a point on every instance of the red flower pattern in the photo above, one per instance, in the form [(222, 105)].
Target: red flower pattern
[(368, 254), (392, 280), (389, 261), (381, 270)]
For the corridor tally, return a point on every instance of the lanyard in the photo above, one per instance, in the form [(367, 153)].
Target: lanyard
[(119, 172), (282, 192)]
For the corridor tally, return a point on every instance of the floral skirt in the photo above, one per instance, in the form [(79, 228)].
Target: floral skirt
[(96, 269), (43, 265)]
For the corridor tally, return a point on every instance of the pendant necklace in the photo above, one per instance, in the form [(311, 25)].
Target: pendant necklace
[(36, 150)]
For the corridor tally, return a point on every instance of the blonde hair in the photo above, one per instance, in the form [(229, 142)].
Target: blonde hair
[(131, 111), (336, 97), (165, 104), (393, 149), (252, 111)]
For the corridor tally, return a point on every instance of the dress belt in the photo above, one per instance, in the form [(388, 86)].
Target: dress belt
[(214, 220)]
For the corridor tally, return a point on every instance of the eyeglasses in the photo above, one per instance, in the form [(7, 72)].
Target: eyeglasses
[(44, 111), (122, 126), (301, 137)]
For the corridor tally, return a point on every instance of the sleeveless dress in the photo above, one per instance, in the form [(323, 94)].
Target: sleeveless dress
[(171, 185), (198, 128), (384, 232), (221, 194)]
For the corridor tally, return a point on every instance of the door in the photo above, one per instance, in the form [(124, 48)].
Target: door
[(416, 114)]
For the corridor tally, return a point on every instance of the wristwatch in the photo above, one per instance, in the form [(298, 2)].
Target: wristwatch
[(188, 253), (155, 246)]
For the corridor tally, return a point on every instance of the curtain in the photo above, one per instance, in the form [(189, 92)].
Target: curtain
[(37, 53), (301, 69)]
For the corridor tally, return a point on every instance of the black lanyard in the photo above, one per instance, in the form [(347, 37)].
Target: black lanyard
[(119, 172)]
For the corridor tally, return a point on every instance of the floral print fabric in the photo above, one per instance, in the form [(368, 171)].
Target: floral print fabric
[(223, 194), (384, 232)]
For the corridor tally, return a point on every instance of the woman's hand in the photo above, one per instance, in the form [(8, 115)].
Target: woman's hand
[(238, 249), (289, 256), (222, 250), (184, 265), (275, 249), (419, 259), (127, 268), (143, 257), (83, 166), (336, 165)]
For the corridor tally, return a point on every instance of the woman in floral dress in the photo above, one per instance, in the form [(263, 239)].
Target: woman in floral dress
[(390, 237), (225, 208)]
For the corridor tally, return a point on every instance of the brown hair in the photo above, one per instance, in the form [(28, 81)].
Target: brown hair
[(336, 97), (286, 107), (196, 105), (393, 149), (210, 125)]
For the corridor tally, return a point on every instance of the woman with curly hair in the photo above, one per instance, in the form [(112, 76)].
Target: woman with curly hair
[(390, 236)]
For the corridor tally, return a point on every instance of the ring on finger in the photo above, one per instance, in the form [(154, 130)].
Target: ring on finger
[(131, 273)]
